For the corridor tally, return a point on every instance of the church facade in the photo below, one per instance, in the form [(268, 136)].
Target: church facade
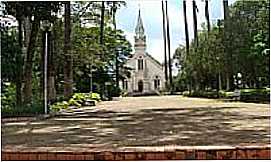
[(147, 75)]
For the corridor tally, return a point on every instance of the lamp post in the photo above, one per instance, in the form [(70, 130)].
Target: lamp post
[(46, 27)]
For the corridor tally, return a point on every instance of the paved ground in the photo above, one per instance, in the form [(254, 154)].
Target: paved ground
[(147, 121)]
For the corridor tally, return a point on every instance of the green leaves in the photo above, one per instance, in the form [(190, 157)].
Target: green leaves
[(240, 46)]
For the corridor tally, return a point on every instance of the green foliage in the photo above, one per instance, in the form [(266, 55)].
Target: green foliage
[(204, 94), (79, 97), (8, 96), (255, 95), (239, 45), (59, 105), (77, 100), (73, 102), (96, 96), (8, 103), (30, 110), (10, 55)]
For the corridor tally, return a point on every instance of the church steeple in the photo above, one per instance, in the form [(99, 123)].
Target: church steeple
[(140, 38), (139, 30)]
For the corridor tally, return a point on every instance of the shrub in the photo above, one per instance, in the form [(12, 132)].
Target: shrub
[(96, 96), (255, 95), (204, 94), (29, 110), (59, 105), (8, 103), (8, 96), (73, 102), (78, 99), (186, 93)]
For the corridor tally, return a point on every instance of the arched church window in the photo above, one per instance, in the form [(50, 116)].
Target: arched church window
[(125, 84), (140, 63), (156, 82)]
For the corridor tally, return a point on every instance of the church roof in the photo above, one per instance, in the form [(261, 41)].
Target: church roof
[(150, 56), (139, 30)]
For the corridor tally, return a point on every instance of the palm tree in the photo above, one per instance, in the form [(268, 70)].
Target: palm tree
[(68, 75), (186, 28), (195, 21), (207, 15), (168, 43), (226, 16), (165, 43)]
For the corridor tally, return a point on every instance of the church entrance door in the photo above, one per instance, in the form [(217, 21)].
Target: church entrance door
[(140, 86)]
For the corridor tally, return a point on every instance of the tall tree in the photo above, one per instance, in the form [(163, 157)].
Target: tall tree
[(226, 37), (195, 9), (168, 44), (102, 24), (207, 16), (165, 43), (19, 58), (68, 70), (115, 5), (186, 27), (29, 61)]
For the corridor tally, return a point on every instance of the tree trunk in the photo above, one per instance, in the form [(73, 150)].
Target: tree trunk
[(19, 60), (29, 62), (117, 53), (51, 68), (165, 45), (195, 22), (227, 82), (168, 43), (228, 64), (102, 43), (42, 66), (68, 70), (207, 15), (186, 28), (102, 25)]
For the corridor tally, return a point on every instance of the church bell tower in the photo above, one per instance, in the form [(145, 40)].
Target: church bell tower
[(140, 37)]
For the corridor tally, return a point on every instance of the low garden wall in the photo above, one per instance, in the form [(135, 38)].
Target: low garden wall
[(143, 153)]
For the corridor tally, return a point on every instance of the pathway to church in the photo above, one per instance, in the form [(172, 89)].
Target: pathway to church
[(145, 121)]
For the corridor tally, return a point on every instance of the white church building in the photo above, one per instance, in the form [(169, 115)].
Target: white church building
[(147, 76)]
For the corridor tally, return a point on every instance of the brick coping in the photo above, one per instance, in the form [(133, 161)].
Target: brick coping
[(144, 153), (27, 119), (92, 148)]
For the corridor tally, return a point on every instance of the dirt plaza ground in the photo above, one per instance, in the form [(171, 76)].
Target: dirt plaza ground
[(146, 121)]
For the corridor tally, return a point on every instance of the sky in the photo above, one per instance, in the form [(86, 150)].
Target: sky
[(151, 14)]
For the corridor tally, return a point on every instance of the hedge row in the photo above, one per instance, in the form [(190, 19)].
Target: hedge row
[(246, 95)]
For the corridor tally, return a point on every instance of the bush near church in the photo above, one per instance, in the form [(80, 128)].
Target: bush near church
[(77, 100), (246, 95)]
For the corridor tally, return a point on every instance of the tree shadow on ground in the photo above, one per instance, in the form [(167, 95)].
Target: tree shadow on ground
[(146, 127)]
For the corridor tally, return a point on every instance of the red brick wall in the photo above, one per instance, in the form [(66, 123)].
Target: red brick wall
[(147, 153)]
